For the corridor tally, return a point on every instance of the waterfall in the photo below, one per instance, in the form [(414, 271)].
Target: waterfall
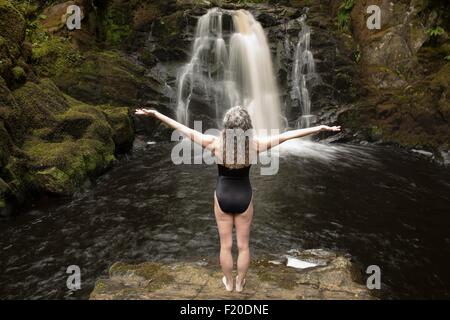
[(304, 75), (230, 65)]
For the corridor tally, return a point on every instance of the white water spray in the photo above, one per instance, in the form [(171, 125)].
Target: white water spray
[(304, 75), (231, 65)]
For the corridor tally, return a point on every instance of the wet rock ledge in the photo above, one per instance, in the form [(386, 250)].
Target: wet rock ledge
[(334, 277)]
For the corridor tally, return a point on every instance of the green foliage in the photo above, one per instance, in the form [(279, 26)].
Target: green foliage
[(447, 58), (51, 54), (18, 73), (27, 8), (435, 32), (116, 27), (343, 17), (357, 55)]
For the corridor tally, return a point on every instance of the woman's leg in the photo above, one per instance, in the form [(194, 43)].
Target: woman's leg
[(225, 226), (243, 223)]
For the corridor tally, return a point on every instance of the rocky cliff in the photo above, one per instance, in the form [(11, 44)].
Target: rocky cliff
[(404, 72), (50, 141)]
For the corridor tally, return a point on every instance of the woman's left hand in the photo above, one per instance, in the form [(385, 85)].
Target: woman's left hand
[(333, 129)]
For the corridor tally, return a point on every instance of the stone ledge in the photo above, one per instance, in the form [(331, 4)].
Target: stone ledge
[(335, 279)]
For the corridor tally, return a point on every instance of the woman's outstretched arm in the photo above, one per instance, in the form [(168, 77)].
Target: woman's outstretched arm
[(204, 140), (265, 143)]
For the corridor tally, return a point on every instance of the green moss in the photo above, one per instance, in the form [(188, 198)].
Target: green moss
[(18, 73), (120, 121), (69, 142), (285, 279), (54, 180), (376, 132), (155, 272), (101, 122), (52, 55), (104, 77), (39, 103), (116, 24), (12, 24), (84, 121), (58, 167), (12, 32), (15, 175), (27, 8)]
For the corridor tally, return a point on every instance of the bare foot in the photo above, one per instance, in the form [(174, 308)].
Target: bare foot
[(239, 284), (229, 288)]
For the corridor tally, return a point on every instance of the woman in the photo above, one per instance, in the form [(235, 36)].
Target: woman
[(233, 205)]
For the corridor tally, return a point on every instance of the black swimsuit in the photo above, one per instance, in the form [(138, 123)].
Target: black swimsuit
[(233, 189)]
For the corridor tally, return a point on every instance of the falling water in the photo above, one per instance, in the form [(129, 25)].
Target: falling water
[(304, 75), (230, 65)]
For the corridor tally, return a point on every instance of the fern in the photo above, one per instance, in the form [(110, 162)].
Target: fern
[(435, 32), (343, 17)]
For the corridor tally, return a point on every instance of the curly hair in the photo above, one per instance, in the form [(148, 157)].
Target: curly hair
[(237, 124)]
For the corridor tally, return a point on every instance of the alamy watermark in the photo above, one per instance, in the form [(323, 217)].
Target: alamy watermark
[(374, 20), (73, 281), (374, 280), (73, 17)]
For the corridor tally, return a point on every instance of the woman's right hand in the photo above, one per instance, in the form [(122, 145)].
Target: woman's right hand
[(143, 111)]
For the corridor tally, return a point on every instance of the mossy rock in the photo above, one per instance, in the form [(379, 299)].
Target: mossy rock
[(441, 80), (157, 274), (104, 78), (12, 27), (54, 181), (52, 54), (81, 116), (122, 125), (15, 175), (12, 35), (5, 145), (336, 279), (39, 103), (82, 121), (145, 15), (81, 143), (59, 167), (172, 42), (117, 21)]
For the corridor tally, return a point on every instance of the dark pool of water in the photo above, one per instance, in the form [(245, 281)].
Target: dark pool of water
[(382, 206)]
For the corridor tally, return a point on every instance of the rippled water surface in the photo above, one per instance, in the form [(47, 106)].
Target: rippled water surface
[(380, 205)]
